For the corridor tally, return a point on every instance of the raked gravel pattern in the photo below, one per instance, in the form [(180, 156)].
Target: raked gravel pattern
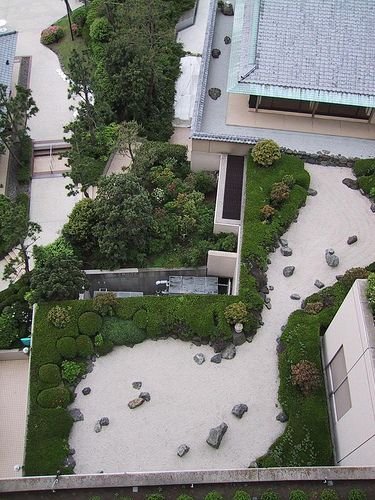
[(187, 399)]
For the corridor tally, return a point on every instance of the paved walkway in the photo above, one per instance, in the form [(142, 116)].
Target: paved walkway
[(187, 399), (13, 406)]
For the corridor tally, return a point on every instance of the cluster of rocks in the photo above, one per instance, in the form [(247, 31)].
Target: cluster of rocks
[(143, 396), (285, 249), (222, 350), (323, 157), (102, 422)]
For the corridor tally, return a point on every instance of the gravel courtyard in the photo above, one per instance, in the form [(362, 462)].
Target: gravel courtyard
[(188, 399)]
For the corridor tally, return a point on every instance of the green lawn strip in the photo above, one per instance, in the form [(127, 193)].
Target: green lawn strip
[(64, 47), (365, 172)]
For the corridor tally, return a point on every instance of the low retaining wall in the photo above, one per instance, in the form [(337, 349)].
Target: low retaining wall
[(187, 19), (12, 354), (131, 479)]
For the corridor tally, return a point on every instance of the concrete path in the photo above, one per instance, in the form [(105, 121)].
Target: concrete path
[(187, 399), (48, 88)]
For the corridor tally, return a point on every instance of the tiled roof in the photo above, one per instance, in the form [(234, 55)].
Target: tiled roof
[(8, 41), (305, 49)]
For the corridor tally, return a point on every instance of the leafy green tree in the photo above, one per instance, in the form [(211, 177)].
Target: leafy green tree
[(13, 222), (58, 278), (21, 260), (123, 214), (130, 134), (79, 228)]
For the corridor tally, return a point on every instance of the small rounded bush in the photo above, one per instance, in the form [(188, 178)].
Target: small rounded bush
[(266, 152), (355, 273), (370, 291), (90, 323), (313, 307), (305, 375), (54, 398), (185, 497), (155, 496), (100, 30), (241, 495), (102, 345), (357, 494), (267, 212), (84, 346), (289, 180), (59, 316), (140, 318), (50, 374), (236, 313), (328, 495), (214, 495), (51, 34), (71, 370), (226, 242), (298, 495), (105, 304), (270, 495), (67, 347), (279, 192)]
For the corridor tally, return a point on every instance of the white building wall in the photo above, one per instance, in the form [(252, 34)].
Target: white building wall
[(353, 329)]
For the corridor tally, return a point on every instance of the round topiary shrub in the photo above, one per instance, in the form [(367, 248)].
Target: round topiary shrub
[(305, 375), (357, 494), (90, 323), (50, 374), (59, 316), (105, 304), (313, 307), (355, 273), (140, 318), (270, 495), (328, 495), (185, 497), (155, 496), (214, 495), (298, 495), (279, 192), (266, 152), (236, 313), (67, 347), (84, 346), (52, 34), (54, 398), (289, 180), (241, 495), (267, 212)]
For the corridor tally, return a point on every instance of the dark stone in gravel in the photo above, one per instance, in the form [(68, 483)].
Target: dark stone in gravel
[(197, 341), (214, 93), (137, 385), (312, 192), (271, 288), (216, 435), (288, 271), (286, 251), (69, 462), (268, 305), (227, 40), (86, 391), (295, 296), (71, 451), (76, 414), (350, 183), (216, 359), (283, 242), (104, 421), (145, 395), (372, 207), (215, 53), (229, 352), (239, 410), (239, 338), (282, 417), (199, 358), (182, 450), (318, 284), (352, 239), (219, 345)]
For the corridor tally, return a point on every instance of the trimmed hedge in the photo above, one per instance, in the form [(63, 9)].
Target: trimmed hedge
[(55, 397), (67, 347), (90, 323), (50, 374), (84, 346), (365, 173), (122, 332)]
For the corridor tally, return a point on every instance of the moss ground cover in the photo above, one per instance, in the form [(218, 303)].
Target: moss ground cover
[(365, 172)]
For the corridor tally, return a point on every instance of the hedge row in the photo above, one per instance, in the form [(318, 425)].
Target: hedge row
[(365, 172)]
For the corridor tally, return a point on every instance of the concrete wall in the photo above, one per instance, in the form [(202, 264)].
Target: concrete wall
[(201, 160), (353, 328), (222, 264), (12, 354), (219, 147), (187, 19)]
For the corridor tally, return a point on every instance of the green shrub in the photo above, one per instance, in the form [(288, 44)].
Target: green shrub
[(71, 370), (313, 307), (155, 496), (100, 30), (266, 152), (102, 345), (140, 318), (355, 273), (55, 397), (50, 374), (9, 331), (214, 495), (226, 242), (367, 183), (122, 332), (185, 497), (241, 495), (52, 34), (270, 495), (59, 316), (357, 494), (298, 495), (305, 375), (267, 212), (79, 16), (105, 304), (279, 193), (67, 347), (90, 323), (289, 180), (236, 313), (364, 167), (328, 495), (205, 182), (84, 346), (370, 291)]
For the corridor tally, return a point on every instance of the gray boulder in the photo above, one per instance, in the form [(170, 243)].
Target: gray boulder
[(350, 183), (283, 242), (288, 271), (182, 450), (134, 403), (199, 358), (253, 465), (216, 435), (229, 352), (312, 192), (268, 305), (239, 410), (97, 427), (86, 391), (137, 385), (214, 93), (372, 207), (282, 417), (352, 239), (145, 395), (286, 251), (331, 258), (318, 284), (71, 451), (104, 421), (215, 53), (295, 296), (216, 359), (227, 40), (76, 414), (239, 338), (271, 288)]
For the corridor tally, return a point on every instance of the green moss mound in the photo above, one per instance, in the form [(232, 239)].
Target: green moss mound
[(55, 397), (84, 346), (50, 374), (140, 318), (122, 332), (90, 323), (67, 347)]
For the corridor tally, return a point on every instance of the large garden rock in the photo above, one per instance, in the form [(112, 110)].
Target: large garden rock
[(219, 345), (182, 450), (145, 395), (239, 410), (199, 358), (239, 338), (227, 40), (283, 242), (134, 403), (137, 385), (253, 465), (76, 414), (286, 251), (282, 417), (331, 259), (312, 192), (215, 53), (295, 296), (288, 271), (229, 352), (216, 359), (97, 427), (372, 207), (352, 239), (351, 183), (318, 284), (86, 391), (216, 435), (214, 93), (104, 421)]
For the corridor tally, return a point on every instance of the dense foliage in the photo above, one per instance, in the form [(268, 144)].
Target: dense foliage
[(14, 220), (266, 152), (365, 172)]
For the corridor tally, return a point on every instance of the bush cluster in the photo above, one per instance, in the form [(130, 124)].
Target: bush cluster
[(59, 316), (52, 34), (105, 304), (357, 494), (365, 172), (267, 212), (353, 274), (84, 346), (55, 397), (270, 495), (241, 495), (279, 193), (90, 323), (122, 332), (236, 313), (298, 495), (313, 307), (328, 495)]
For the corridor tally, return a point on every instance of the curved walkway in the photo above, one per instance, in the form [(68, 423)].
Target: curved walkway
[(187, 399)]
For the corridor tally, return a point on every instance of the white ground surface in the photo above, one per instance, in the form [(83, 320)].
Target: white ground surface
[(187, 399)]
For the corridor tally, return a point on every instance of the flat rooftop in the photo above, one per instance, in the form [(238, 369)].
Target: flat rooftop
[(8, 41)]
